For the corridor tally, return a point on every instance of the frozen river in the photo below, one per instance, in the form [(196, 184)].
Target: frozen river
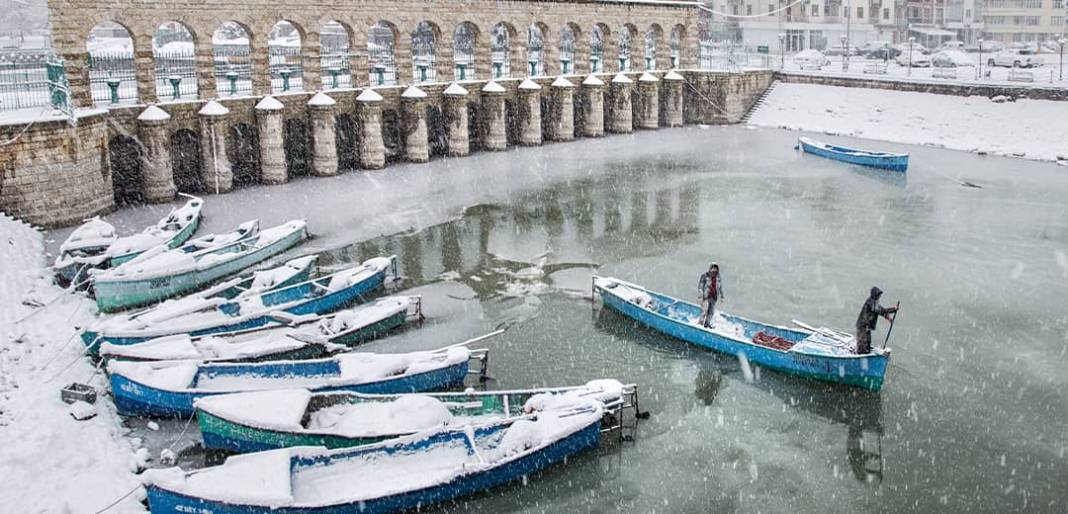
[(974, 413)]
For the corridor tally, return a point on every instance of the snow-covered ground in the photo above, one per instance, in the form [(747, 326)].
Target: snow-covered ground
[(1048, 75), (1024, 128), (51, 462)]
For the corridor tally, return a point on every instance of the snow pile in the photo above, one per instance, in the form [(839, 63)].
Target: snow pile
[(51, 462), (279, 409), (974, 123), (371, 367), (364, 315), (271, 278), (405, 415)]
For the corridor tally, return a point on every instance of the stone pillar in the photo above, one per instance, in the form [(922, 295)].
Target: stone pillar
[(204, 57), (529, 113), (413, 108), (323, 132), (493, 109), (621, 116), (311, 65), (216, 175), (156, 160), (259, 64), (145, 69), (563, 105), (272, 143), (673, 100), (369, 112), (359, 68), (593, 91), (455, 111), (649, 91)]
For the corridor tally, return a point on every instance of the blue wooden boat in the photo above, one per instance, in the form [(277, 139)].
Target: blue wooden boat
[(881, 160), (86, 248), (169, 388), (171, 232), (301, 302), (818, 355), (158, 275), (398, 475)]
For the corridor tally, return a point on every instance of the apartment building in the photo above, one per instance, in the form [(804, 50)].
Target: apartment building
[(1024, 21), (817, 24)]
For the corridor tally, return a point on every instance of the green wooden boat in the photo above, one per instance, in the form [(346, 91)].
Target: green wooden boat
[(170, 232), (157, 275), (264, 420)]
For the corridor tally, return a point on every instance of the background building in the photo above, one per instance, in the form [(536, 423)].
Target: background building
[(1024, 21), (818, 24)]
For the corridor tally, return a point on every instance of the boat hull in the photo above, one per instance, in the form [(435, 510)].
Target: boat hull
[(165, 501), (115, 295), (178, 239), (865, 372), (136, 399), (889, 162)]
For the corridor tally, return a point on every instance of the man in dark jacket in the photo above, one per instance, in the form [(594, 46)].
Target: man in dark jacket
[(869, 315), (709, 291)]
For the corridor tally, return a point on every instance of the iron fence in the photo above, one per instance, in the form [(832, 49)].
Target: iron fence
[(233, 70), (23, 83), (112, 78), (336, 72), (286, 68), (176, 76)]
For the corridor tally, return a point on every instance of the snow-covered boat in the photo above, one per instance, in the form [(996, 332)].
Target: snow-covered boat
[(405, 474), (882, 160), (317, 338), (267, 420), (171, 232), (169, 388), (817, 355), (86, 248), (159, 273), (297, 303)]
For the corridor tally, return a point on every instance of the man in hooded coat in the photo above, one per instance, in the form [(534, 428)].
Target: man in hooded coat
[(869, 315)]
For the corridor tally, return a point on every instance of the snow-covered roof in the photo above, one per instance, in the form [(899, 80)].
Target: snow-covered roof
[(648, 77), (369, 95), (153, 113), (673, 75), (213, 108), (592, 80), (455, 89), (492, 87), (529, 85), (322, 100), (413, 92), (620, 78), (269, 103), (562, 82)]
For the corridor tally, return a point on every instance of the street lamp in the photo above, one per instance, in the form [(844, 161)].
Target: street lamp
[(980, 77), (911, 41), (845, 54), (1062, 42), (782, 51)]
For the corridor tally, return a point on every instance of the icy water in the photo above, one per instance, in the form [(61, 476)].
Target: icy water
[(973, 416)]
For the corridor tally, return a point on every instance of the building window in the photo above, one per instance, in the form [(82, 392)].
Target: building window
[(771, 8), (1033, 4), (815, 11), (886, 13), (734, 10), (1056, 21), (749, 9), (860, 12), (826, 9), (968, 14), (1058, 4)]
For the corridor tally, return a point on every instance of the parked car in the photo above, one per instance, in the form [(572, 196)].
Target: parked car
[(883, 53), (951, 59), (916, 47), (1015, 59), (988, 47), (918, 60), (841, 50), (811, 59), (952, 45)]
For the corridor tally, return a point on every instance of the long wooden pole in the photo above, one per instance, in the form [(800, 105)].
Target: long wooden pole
[(891, 329)]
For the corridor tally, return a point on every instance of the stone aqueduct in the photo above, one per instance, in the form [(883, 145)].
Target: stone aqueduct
[(57, 174)]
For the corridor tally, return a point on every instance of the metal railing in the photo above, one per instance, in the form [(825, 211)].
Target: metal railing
[(112, 78), (34, 79), (176, 76)]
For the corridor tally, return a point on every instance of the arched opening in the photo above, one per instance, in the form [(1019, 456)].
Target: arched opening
[(233, 63), (380, 43), (535, 51), (624, 48), (424, 52), (475, 127), (128, 181), (567, 50), (348, 148), (334, 55), (176, 67), (435, 130), (650, 49), (185, 160), (499, 56), (597, 38), (676, 42), (297, 147), (464, 43), (392, 134), (285, 58), (511, 114), (243, 150), (112, 78)]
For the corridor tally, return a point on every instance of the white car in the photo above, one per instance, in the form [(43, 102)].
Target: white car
[(951, 59), (1015, 59), (811, 59), (918, 59)]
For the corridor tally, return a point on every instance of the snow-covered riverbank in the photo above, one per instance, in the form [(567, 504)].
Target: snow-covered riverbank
[(1024, 128), (52, 462)]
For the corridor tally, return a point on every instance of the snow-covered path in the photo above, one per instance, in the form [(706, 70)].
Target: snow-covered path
[(1024, 128), (50, 462)]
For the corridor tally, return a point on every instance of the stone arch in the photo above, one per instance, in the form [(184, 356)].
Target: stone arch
[(186, 160), (501, 54), (174, 55), (345, 138), (437, 138), (381, 55), (536, 39), (110, 49), (128, 180), (393, 134), (466, 39), (335, 47), (297, 146), (231, 46), (600, 42), (243, 151), (425, 37), (628, 33), (678, 36), (570, 35), (654, 44), (285, 56)]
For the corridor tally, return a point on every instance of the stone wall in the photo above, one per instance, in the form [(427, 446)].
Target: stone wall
[(56, 174), (721, 97), (924, 86)]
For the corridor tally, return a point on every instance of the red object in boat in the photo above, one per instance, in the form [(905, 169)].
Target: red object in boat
[(772, 341)]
